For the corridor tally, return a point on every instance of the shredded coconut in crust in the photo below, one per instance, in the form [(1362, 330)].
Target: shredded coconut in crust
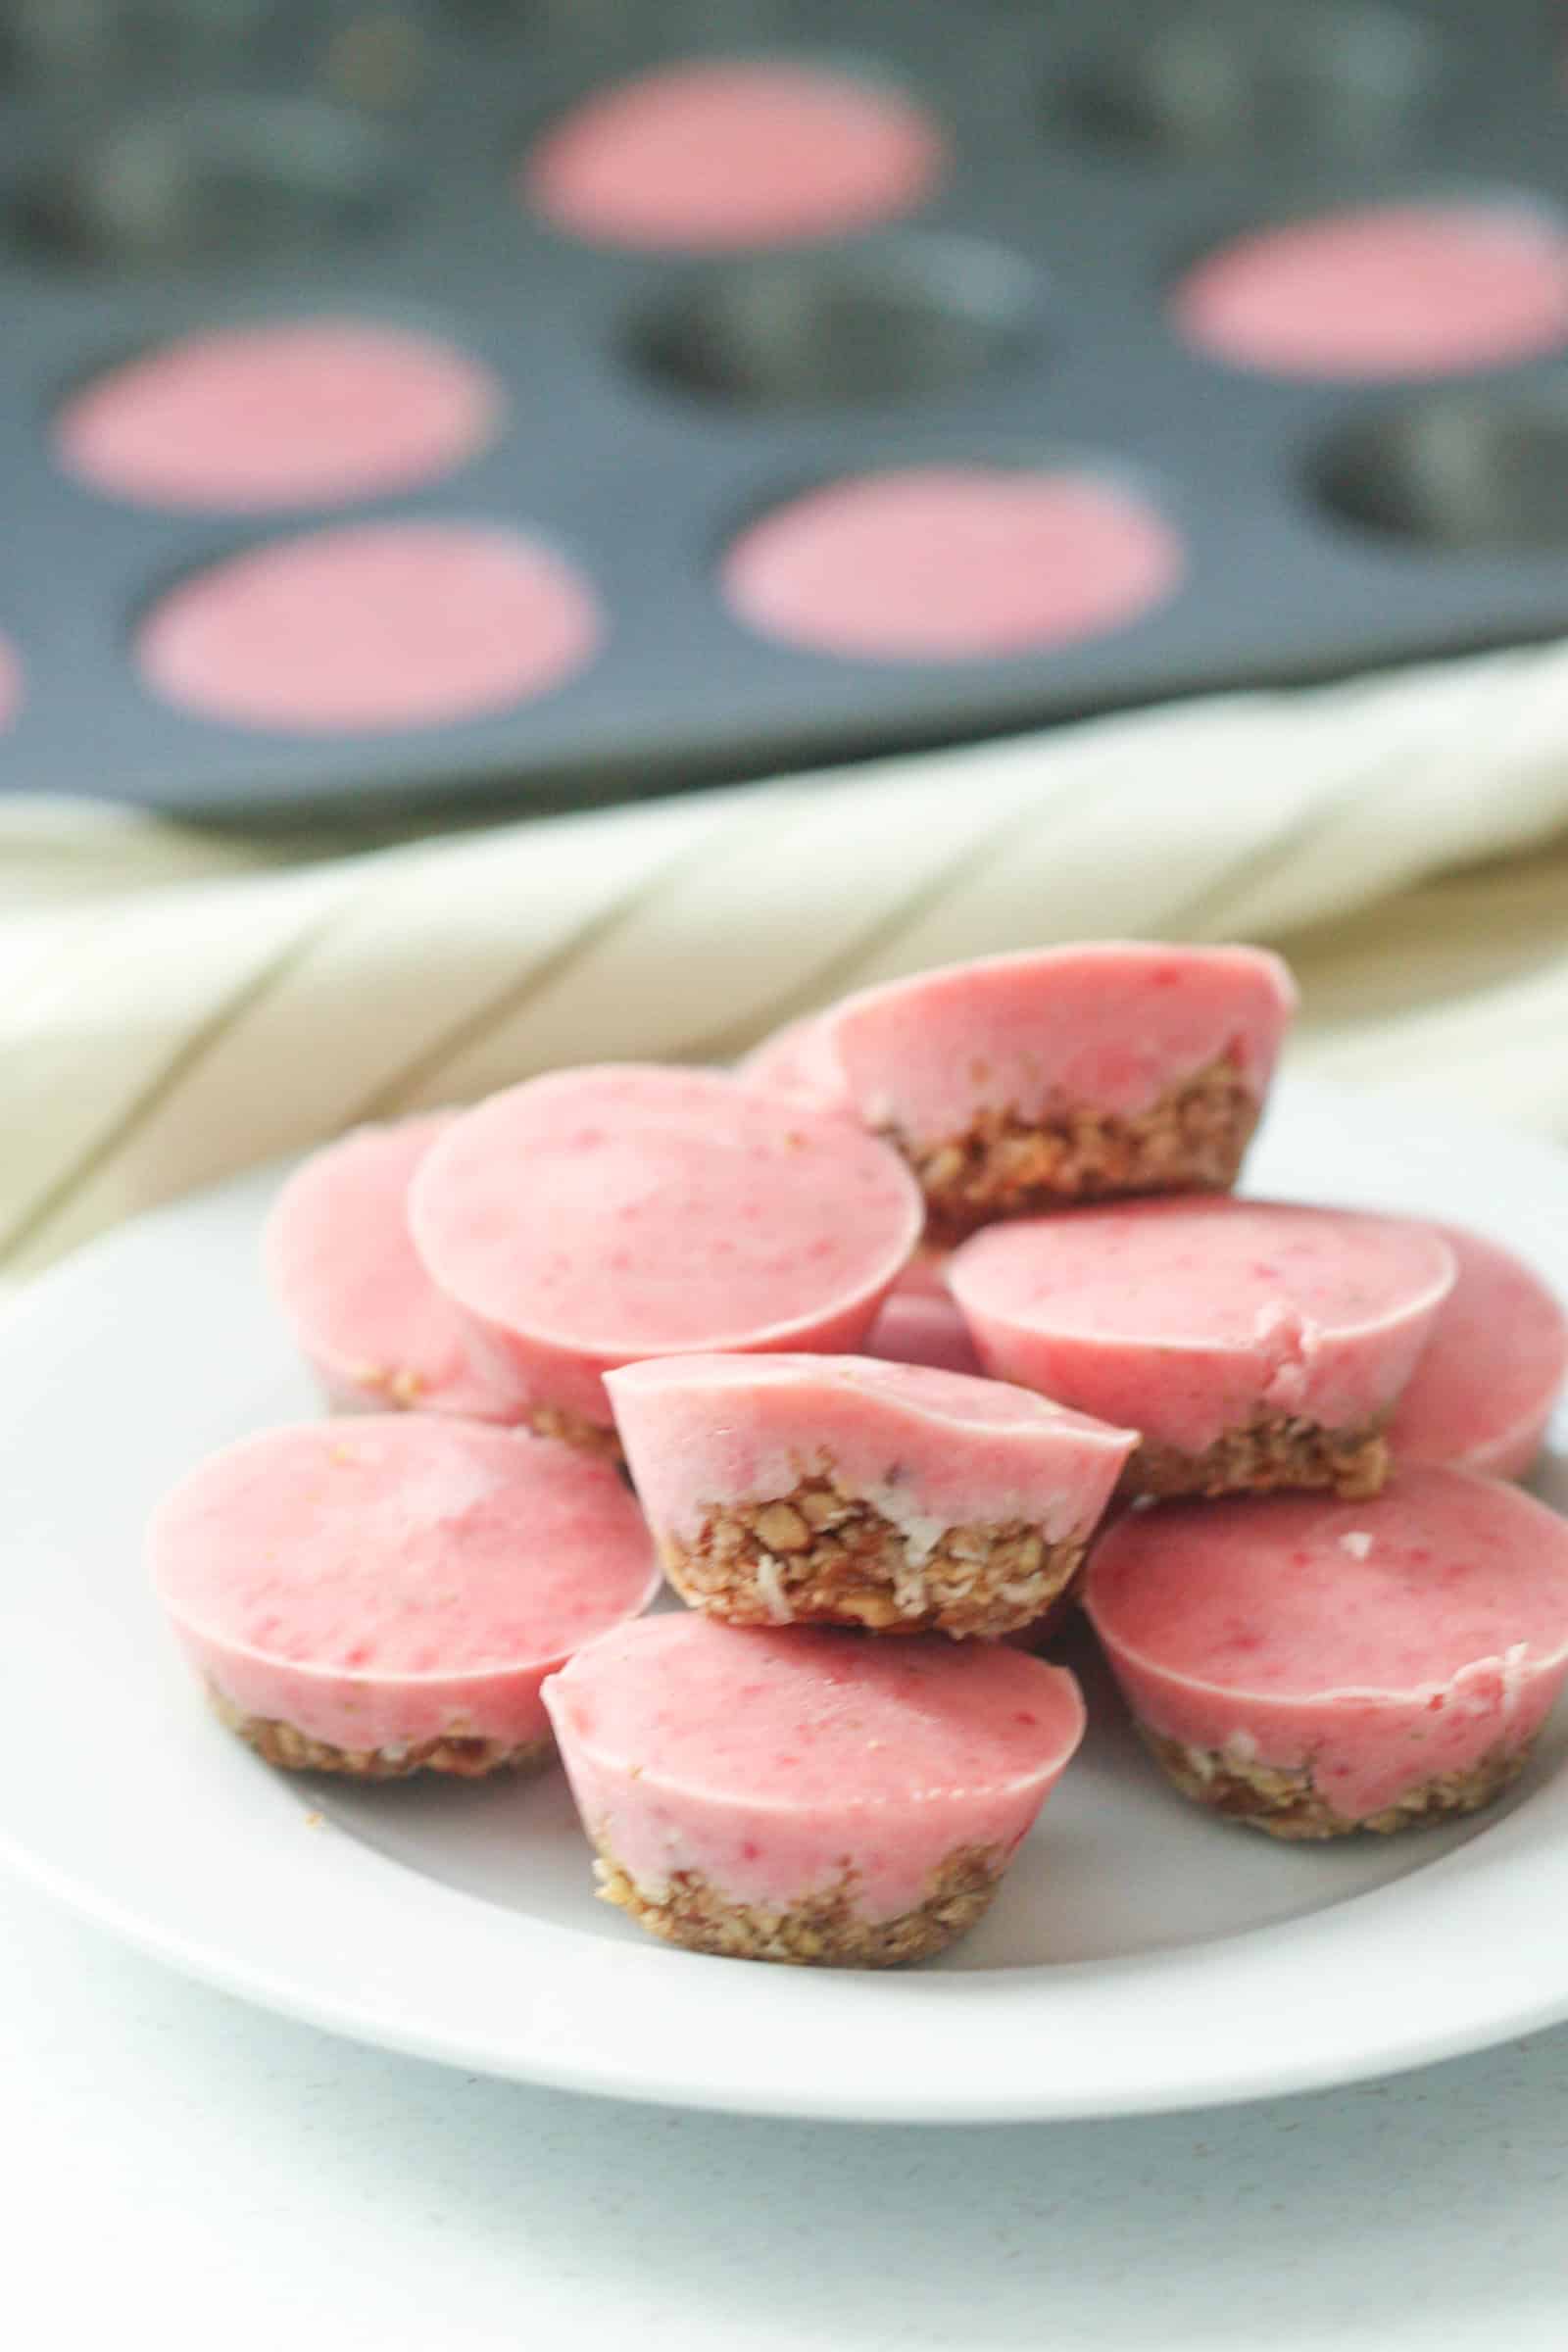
[(1269, 1454), (464, 1758), (1285, 1803), (823, 1555), (816, 1931), (1193, 1139)]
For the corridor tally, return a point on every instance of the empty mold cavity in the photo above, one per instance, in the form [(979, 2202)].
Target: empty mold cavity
[(231, 179), (953, 563), (836, 329), (717, 154), (278, 413), (1258, 78), (1458, 470), (1399, 290), (371, 628), (63, 39)]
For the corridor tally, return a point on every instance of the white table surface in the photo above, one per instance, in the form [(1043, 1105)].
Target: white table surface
[(238, 2180)]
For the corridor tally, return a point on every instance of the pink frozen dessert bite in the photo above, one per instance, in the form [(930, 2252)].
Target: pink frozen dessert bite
[(1484, 1390), (1253, 1344), (797, 1060), (790, 1490), (378, 1597), (1313, 1666), (1078, 1073), (923, 1326), (807, 1796), (920, 1323), (368, 1319), (595, 1217)]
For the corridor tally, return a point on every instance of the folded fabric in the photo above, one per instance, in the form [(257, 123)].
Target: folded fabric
[(177, 1003)]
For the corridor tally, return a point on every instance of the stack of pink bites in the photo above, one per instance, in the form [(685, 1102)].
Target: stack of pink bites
[(951, 1176)]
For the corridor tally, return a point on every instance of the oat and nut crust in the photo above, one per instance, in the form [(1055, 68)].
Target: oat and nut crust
[(1264, 1457), (1193, 1139), (575, 1428), (464, 1758), (823, 1555), (1285, 1803), (376, 1390), (817, 1931)]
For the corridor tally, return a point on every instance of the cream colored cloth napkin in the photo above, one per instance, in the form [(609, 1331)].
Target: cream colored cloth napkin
[(176, 1005)]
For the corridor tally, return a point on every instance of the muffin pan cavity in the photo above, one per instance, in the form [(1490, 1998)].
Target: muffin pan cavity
[(1257, 80), (1476, 471), (243, 179), (881, 325)]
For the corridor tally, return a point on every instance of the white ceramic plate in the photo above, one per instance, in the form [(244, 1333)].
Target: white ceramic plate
[(1139, 1956)]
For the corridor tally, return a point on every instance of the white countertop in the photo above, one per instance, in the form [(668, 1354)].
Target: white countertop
[(237, 2181)]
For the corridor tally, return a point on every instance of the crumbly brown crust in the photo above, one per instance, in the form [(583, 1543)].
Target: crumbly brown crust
[(822, 1555), (575, 1428), (1285, 1803), (817, 1931), (1193, 1139), (380, 1392), (292, 1750), (1267, 1455)]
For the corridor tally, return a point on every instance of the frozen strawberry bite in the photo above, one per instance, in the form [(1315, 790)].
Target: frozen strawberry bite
[(789, 1490), (1314, 1666), (368, 1318), (796, 1060), (919, 1322), (807, 1796), (1077, 1073), (1482, 1393), (595, 1217), (1252, 1344), (923, 1326), (381, 1596)]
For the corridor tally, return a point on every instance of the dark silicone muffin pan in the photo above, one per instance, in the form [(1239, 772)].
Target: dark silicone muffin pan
[(363, 165)]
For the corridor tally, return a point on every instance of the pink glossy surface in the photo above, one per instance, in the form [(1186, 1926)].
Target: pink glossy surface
[(372, 626), (1489, 1377), (923, 1328), (931, 1450), (592, 1217), (1382, 1641), (342, 1268), (1110, 1024), (1395, 290), (279, 414), (709, 155), (951, 564), (795, 1061), (772, 1763), (1186, 1318), (395, 1579)]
